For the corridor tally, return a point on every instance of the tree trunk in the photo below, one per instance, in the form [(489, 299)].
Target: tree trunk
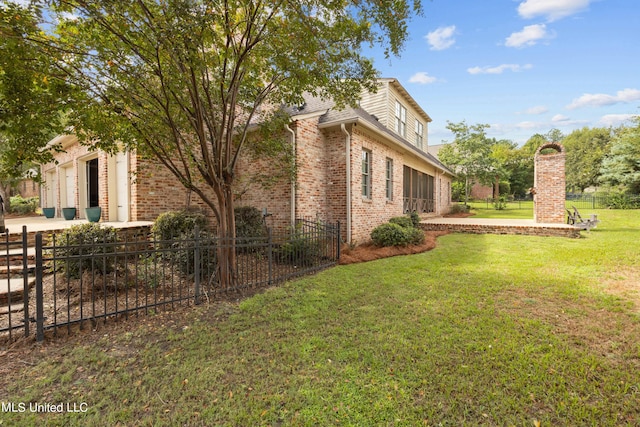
[(226, 248), (466, 191), (5, 191), (496, 188)]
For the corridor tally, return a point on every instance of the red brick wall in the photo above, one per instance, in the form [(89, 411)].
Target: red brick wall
[(549, 185), (366, 214)]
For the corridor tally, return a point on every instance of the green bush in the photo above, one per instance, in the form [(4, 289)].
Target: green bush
[(402, 221), (249, 222), (415, 219), (249, 227), (177, 231), (183, 253), (300, 250), (22, 206), (459, 208), (86, 247), (390, 234), (620, 200), (394, 233), (415, 236), (173, 224), (500, 203)]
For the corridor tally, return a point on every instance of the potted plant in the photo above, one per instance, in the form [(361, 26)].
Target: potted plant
[(49, 212), (69, 213), (93, 213)]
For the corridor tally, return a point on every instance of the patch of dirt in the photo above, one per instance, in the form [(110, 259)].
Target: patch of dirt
[(625, 283), (371, 252), (607, 333)]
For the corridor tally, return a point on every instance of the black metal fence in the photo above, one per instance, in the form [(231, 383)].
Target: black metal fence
[(123, 275), (580, 201)]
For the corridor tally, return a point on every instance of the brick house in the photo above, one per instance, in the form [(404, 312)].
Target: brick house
[(360, 166)]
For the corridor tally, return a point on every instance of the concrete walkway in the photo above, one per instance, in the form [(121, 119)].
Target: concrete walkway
[(40, 223)]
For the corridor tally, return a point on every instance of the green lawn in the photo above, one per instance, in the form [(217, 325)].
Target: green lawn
[(483, 330)]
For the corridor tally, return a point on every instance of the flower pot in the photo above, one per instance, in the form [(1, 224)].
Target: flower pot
[(93, 213), (49, 212), (69, 213)]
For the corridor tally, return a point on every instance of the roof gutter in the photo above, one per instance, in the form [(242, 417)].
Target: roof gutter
[(399, 142), (347, 138), (293, 178)]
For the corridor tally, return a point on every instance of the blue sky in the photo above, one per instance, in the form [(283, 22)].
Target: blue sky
[(522, 66)]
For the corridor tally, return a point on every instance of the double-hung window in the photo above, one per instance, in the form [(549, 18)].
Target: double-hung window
[(366, 174), (401, 119), (419, 135)]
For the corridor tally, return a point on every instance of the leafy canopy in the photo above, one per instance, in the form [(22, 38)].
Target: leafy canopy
[(186, 81), (621, 167)]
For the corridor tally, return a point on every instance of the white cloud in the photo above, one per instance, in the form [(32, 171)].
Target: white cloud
[(422, 78), (499, 69), (442, 38), (602, 99), (615, 119), (529, 36), (559, 118), (527, 125), (538, 109), (551, 9)]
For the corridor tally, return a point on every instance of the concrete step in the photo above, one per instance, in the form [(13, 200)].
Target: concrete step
[(16, 307), (15, 269), (13, 289)]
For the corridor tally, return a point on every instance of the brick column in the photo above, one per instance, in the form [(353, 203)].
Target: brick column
[(549, 185)]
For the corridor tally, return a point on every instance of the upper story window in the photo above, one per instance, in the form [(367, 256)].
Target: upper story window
[(419, 135), (366, 174), (401, 119)]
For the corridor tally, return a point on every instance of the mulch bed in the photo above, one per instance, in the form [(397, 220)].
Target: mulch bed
[(370, 252)]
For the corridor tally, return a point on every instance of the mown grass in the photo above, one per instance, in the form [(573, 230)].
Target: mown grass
[(483, 330)]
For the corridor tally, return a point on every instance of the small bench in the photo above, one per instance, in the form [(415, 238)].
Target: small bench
[(574, 218)]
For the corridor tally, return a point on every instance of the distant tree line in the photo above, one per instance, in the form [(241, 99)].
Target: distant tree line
[(606, 159)]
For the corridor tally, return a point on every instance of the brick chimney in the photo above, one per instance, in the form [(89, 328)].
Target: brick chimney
[(549, 185)]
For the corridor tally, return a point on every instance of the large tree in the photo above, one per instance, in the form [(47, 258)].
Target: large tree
[(585, 149), (32, 99), (469, 155), (187, 81), (621, 167)]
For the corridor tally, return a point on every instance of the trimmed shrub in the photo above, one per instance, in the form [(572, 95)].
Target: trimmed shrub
[(402, 221), (459, 208), (86, 247), (415, 236), (300, 249), (249, 228), (415, 218), (22, 206), (173, 224), (183, 253), (390, 234), (249, 222)]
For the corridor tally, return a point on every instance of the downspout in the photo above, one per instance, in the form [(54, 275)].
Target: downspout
[(348, 171), (293, 178)]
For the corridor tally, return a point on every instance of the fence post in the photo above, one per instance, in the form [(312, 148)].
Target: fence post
[(196, 266), (269, 255), (25, 281), (39, 291)]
